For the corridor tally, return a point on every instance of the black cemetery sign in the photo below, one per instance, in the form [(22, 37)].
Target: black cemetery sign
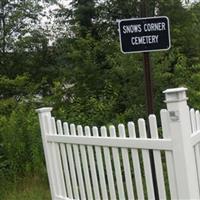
[(144, 34)]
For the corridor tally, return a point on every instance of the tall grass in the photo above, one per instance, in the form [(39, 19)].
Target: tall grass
[(27, 188), (21, 156)]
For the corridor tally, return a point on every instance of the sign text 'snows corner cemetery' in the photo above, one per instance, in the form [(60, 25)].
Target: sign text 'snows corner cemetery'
[(144, 34)]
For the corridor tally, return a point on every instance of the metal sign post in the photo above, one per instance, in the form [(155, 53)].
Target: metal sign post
[(148, 84), (144, 35)]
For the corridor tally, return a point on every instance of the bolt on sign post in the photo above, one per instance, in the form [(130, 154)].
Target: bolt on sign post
[(144, 35)]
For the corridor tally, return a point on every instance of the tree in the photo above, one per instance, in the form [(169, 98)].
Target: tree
[(18, 18), (83, 74), (24, 52), (83, 16)]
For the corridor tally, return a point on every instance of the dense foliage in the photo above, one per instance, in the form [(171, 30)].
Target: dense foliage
[(83, 74)]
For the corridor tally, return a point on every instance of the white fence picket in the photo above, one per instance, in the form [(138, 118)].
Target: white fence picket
[(136, 163), (146, 161), (100, 166), (85, 166), (92, 167), (78, 164), (71, 164), (118, 172), (108, 164), (196, 116), (169, 156), (193, 120), (58, 163), (53, 160), (65, 161), (157, 158), (126, 165), (197, 155), (46, 130)]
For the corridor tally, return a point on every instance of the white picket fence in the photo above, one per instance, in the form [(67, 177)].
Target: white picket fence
[(114, 163)]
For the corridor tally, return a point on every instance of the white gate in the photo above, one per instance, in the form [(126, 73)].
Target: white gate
[(114, 163)]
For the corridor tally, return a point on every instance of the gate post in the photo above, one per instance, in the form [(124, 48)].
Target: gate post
[(44, 119), (183, 151)]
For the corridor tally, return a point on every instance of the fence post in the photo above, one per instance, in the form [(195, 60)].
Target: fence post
[(45, 120), (183, 151)]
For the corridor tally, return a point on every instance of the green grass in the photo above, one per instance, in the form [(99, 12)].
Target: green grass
[(29, 188)]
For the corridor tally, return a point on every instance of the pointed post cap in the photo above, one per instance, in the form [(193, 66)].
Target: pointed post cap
[(175, 95)]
